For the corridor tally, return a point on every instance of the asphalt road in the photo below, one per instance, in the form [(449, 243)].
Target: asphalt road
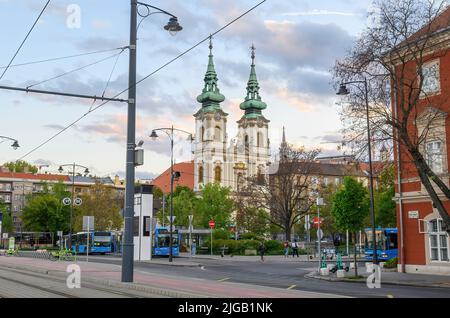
[(289, 275)]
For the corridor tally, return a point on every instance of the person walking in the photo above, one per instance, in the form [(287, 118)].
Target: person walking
[(194, 247), (286, 249), (262, 250), (294, 246)]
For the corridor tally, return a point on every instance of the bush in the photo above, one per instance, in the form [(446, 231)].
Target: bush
[(238, 247), (392, 263), (221, 234), (250, 236)]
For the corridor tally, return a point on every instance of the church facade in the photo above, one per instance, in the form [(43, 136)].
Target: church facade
[(217, 159)]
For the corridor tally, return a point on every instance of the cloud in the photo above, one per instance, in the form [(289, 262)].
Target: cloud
[(316, 12)]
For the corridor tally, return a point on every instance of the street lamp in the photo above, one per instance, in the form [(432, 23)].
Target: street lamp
[(128, 246), (86, 172), (344, 91), (15, 143), (173, 174)]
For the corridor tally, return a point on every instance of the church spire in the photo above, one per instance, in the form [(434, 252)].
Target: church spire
[(211, 96), (253, 105)]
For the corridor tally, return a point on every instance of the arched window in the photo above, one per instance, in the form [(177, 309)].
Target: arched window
[(218, 174), (217, 133), (202, 138), (260, 177), (247, 148), (200, 175), (260, 140)]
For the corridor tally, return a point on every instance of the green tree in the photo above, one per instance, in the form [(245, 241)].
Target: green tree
[(45, 212), (20, 166), (7, 223), (385, 211), (253, 220), (216, 204), (103, 203), (350, 206), (184, 201)]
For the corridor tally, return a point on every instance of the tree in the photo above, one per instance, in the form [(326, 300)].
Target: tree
[(21, 166), (215, 203), (391, 54), (286, 193), (328, 225), (253, 220), (45, 212), (103, 203), (7, 223), (385, 212), (350, 206), (184, 202)]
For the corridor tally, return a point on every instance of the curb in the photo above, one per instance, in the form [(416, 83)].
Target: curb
[(314, 276), (109, 283)]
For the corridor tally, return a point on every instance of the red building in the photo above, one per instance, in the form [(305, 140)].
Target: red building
[(187, 177), (423, 245)]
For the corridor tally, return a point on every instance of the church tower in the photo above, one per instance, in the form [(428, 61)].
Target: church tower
[(211, 132), (253, 149)]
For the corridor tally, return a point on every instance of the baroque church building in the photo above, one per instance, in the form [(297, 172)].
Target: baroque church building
[(217, 159)]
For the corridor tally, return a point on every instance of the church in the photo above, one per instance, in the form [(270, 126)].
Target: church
[(217, 159)]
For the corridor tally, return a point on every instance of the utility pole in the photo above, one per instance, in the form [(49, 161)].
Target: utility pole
[(128, 246)]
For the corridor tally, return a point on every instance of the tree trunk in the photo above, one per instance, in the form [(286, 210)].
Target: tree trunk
[(425, 173)]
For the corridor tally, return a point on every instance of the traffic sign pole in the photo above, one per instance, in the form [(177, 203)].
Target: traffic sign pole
[(212, 224)]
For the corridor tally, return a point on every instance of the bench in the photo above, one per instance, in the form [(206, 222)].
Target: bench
[(203, 250)]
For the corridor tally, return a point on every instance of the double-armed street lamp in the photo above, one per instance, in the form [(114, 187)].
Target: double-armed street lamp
[(344, 91), (15, 143), (86, 172), (172, 26), (174, 175)]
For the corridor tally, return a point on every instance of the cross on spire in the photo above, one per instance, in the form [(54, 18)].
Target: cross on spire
[(253, 53), (210, 44)]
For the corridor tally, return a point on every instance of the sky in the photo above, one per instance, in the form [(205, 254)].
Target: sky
[(297, 43)]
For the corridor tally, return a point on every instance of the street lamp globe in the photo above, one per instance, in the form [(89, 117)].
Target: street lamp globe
[(15, 145), (154, 135), (343, 90), (173, 26)]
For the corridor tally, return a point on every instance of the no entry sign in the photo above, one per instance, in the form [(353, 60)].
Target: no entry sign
[(212, 224)]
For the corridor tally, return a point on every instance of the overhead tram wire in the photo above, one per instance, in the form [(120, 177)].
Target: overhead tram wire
[(64, 57), (24, 40), (76, 69), (143, 79)]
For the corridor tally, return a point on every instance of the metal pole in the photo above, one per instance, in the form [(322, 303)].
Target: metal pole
[(346, 241), (318, 235), (164, 209), (211, 242), (71, 206), (128, 246), (171, 194), (88, 234), (372, 204), (151, 236)]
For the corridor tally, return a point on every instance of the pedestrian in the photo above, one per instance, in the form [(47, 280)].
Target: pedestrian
[(194, 247), (262, 250), (286, 249), (294, 246)]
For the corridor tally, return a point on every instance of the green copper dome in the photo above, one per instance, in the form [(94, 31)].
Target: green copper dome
[(211, 96), (253, 104)]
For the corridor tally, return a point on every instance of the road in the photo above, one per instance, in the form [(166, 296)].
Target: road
[(23, 284), (287, 275)]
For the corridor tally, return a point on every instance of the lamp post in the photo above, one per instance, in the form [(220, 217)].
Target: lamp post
[(128, 246), (173, 174), (15, 143), (344, 91), (86, 172)]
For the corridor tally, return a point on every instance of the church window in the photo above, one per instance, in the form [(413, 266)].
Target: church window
[(200, 175), (217, 134), (218, 174), (203, 134)]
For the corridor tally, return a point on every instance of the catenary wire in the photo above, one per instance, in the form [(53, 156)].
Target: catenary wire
[(75, 70), (24, 40), (141, 80), (63, 57)]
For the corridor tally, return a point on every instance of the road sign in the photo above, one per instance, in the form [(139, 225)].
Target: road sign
[(212, 224), (60, 233), (320, 234), (173, 218), (5, 235), (66, 201), (88, 223), (77, 201), (316, 221)]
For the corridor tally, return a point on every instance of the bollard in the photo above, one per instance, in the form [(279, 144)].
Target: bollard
[(340, 273)]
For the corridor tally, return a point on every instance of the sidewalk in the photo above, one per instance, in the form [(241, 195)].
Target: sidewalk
[(390, 278), (267, 258), (157, 284)]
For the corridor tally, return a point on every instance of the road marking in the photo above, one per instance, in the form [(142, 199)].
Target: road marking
[(292, 286), (223, 279), (390, 296)]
